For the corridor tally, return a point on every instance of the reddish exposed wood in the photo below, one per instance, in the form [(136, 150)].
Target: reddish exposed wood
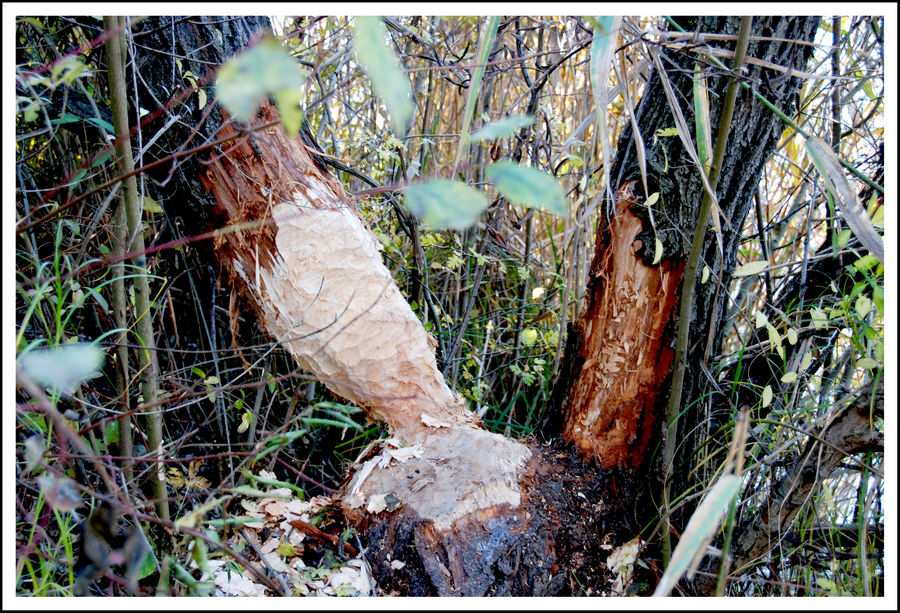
[(255, 173), (624, 357)]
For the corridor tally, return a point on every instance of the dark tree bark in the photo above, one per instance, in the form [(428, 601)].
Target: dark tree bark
[(615, 375)]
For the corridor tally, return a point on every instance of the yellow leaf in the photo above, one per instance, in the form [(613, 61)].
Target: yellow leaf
[(761, 319), (819, 318), (751, 268), (863, 306), (867, 363), (775, 340), (789, 377), (659, 251), (529, 336)]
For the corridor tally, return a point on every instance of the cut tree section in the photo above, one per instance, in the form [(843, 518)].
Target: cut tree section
[(623, 359)]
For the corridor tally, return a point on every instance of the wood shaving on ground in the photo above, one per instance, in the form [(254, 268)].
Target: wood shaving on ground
[(276, 547)]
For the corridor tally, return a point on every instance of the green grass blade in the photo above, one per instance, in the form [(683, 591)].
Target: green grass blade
[(488, 35), (700, 529)]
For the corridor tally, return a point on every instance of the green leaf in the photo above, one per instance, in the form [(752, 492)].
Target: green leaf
[(485, 44), (792, 336), (866, 262), (266, 69), (699, 531), (806, 360), (863, 306), (789, 377), (149, 565), (325, 422), (761, 319), (63, 367), (151, 206), (443, 203), (819, 318), (704, 277), (844, 237), (501, 128), (867, 363), (767, 396), (288, 103), (66, 70), (751, 268), (528, 186), (529, 336), (775, 340), (876, 211), (246, 420), (211, 382), (103, 158), (379, 62), (249, 490), (701, 119)]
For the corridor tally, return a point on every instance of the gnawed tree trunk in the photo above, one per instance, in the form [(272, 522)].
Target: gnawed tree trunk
[(315, 275), (468, 512), (611, 413), (619, 358)]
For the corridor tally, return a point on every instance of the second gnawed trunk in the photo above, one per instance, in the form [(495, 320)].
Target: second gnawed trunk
[(624, 355)]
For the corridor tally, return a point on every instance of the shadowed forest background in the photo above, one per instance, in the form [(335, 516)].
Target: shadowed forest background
[(507, 305)]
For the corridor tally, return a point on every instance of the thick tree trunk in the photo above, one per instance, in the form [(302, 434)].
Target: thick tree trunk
[(613, 377), (315, 274), (463, 509)]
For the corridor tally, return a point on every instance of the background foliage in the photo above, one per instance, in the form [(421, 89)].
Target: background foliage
[(494, 272)]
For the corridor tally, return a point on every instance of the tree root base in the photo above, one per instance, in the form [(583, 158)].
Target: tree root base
[(554, 542)]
